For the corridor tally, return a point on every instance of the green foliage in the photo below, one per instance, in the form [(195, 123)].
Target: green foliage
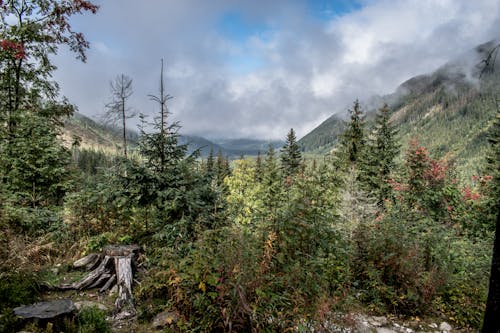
[(16, 288), (34, 163), (92, 320), (378, 162), (290, 155), (352, 142), (413, 259)]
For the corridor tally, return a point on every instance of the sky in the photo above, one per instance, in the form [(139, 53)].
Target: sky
[(256, 68)]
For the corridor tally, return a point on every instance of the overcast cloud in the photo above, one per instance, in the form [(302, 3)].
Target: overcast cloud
[(254, 69)]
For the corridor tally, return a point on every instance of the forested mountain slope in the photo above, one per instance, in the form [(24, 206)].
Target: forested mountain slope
[(448, 111)]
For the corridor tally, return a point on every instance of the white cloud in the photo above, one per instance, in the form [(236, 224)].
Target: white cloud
[(309, 68)]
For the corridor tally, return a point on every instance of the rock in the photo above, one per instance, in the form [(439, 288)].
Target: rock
[(164, 319), (444, 326), (378, 321), (46, 310), (385, 330), (88, 304), (433, 325)]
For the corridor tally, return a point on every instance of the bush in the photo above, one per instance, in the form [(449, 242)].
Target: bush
[(16, 288), (92, 320)]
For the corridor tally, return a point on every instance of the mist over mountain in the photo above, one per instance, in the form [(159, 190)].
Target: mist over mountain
[(448, 110)]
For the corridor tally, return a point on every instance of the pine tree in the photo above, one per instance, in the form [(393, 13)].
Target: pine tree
[(258, 167), (32, 160), (210, 163), (378, 162), (222, 168), (271, 181), (352, 142), (290, 155)]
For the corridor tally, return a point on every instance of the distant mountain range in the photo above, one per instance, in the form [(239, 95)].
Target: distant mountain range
[(449, 111), (92, 134)]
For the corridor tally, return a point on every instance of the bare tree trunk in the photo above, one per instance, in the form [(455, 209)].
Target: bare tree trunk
[(491, 323)]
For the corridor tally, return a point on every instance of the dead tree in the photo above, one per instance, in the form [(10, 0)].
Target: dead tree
[(117, 109)]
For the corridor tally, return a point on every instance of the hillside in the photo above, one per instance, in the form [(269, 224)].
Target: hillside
[(93, 135), (448, 111)]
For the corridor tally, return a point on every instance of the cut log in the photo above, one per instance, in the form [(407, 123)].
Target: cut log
[(88, 261), (108, 284), (105, 267)]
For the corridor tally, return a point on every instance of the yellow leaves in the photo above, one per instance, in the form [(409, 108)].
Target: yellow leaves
[(202, 287), (245, 194)]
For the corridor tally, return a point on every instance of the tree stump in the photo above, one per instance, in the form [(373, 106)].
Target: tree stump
[(113, 266)]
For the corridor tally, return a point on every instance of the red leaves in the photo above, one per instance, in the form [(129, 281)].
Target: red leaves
[(470, 194), (13, 48), (436, 171)]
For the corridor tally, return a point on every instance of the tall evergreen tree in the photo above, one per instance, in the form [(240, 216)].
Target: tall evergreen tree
[(352, 142), (378, 162), (258, 167), (272, 188), (222, 168), (210, 163), (290, 155), (32, 160)]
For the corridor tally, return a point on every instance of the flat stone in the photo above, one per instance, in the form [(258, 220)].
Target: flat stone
[(45, 310)]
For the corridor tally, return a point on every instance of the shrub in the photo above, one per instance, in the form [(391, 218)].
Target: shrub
[(92, 320)]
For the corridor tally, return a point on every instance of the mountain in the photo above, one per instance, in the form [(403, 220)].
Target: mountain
[(238, 147), (200, 143), (448, 111), (323, 137), (94, 135)]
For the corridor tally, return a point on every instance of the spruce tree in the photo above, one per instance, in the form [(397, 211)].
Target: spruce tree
[(352, 142), (222, 169), (258, 167), (32, 160), (210, 163), (290, 155), (378, 162), (272, 187)]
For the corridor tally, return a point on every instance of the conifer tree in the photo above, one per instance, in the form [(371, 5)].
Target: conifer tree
[(32, 160), (290, 155), (352, 142), (258, 167), (210, 163), (272, 187), (222, 168), (378, 162)]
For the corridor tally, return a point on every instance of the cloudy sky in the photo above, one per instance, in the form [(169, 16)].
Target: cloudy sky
[(256, 68)]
